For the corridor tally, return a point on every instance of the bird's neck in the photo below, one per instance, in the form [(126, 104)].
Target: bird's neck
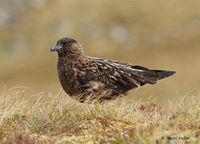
[(71, 57)]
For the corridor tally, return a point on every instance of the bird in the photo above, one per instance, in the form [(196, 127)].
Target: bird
[(89, 78)]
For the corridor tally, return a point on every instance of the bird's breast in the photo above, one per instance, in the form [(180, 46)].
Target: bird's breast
[(67, 74)]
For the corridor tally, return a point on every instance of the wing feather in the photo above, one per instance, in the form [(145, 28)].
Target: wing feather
[(123, 76)]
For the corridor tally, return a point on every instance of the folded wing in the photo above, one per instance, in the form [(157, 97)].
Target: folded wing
[(123, 77)]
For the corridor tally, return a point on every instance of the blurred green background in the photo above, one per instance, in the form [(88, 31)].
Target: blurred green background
[(154, 33)]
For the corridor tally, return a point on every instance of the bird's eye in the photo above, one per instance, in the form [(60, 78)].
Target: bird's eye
[(63, 43)]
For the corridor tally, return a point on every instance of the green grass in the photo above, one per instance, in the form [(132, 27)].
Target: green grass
[(37, 118)]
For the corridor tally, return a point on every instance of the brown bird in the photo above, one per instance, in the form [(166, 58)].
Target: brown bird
[(86, 77)]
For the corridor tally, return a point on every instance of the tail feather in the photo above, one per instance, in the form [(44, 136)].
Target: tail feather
[(145, 75), (160, 74)]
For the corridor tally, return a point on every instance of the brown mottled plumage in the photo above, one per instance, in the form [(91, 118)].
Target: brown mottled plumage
[(86, 76)]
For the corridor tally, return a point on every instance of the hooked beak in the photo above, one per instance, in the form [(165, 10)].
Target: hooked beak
[(55, 48)]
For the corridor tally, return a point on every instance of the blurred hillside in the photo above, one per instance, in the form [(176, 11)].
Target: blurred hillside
[(158, 34)]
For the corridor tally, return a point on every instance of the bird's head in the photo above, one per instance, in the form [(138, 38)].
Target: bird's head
[(67, 46)]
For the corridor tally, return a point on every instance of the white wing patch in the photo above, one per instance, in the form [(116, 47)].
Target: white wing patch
[(95, 86)]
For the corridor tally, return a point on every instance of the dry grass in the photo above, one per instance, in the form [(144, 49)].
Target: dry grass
[(40, 118)]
